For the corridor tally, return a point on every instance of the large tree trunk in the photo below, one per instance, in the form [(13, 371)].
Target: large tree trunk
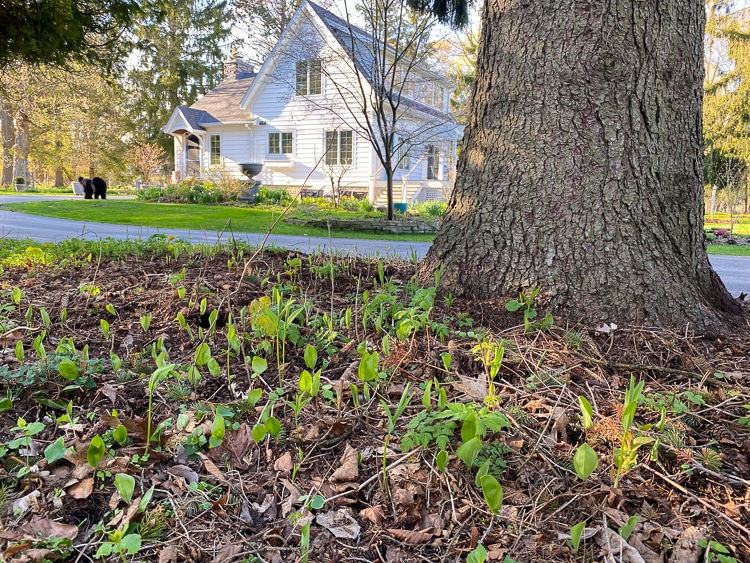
[(9, 139), (582, 168)]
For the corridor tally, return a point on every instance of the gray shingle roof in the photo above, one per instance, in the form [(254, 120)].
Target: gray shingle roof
[(342, 31), (222, 104)]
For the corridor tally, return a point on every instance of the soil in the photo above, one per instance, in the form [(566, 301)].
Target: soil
[(231, 494)]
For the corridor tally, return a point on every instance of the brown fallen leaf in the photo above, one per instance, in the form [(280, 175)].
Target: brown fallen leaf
[(211, 467), (48, 528), (340, 523), (168, 554), (82, 489), (35, 555), (374, 514), (15, 550), (284, 463), (411, 537), (474, 388), (227, 553), (185, 472), (349, 469)]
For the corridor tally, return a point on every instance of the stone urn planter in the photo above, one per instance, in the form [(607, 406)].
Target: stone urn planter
[(250, 170)]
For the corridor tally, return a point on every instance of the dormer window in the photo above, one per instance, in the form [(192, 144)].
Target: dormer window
[(309, 80)]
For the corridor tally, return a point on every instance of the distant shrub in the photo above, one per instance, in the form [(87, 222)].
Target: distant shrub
[(150, 192), (428, 209), (273, 197), (204, 194), (366, 205)]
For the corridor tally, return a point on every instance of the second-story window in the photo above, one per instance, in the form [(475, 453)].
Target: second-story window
[(309, 80)]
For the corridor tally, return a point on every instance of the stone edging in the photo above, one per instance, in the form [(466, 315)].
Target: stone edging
[(397, 226)]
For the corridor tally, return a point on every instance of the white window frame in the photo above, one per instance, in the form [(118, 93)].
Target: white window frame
[(211, 153), (281, 138), (329, 152), (305, 89)]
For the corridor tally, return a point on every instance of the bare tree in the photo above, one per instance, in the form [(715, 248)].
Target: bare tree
[(266, 20), (146, 158)]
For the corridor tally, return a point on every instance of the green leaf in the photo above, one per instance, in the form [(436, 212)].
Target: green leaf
[(55, 451), (468, 451), (478, 555), (19, 351), (447, 360), (469, 427), (575, 534), (213, 367), (105, 550), (96, 450), (259, 433), (513, 305), (254, 396), (120, 434), (146, 499), (125, 485), (131, 544), (68, 369), (483, 470), (202, 354), (587, 412), (33, 428), (628, 414), (305, 381), (311, 356), (442, 460), (585, 461), (273, 426), (5, 404), (259, 364), (317, 502), (493, 493), (218, 427), (628, 528)]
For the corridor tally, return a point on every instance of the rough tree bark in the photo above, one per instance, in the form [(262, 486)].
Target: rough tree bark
[(8, 139), (582, 168)]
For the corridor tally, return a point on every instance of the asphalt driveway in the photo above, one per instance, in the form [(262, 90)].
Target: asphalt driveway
[(734, 270)]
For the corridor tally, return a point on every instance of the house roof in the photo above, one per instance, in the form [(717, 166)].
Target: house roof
[(222, 104), (341, 30)]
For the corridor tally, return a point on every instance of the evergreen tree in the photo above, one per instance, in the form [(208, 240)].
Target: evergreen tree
[(726, 105), (179, 59)]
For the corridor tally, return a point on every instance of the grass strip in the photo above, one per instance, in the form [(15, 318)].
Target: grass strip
[(185, 216)]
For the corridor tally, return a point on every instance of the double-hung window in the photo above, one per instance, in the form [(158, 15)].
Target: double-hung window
[(402, 155), (215, 151), (280, 144), (339, 147), (309, 79)]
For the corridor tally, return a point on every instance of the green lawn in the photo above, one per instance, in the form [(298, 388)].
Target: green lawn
[(729, 249), (184, 216), (215, 218)]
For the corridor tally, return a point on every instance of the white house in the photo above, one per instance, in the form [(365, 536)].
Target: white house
[(304, 116)]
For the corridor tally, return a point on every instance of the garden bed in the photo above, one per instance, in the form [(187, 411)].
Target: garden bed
[(348, 415), (371, 225)]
